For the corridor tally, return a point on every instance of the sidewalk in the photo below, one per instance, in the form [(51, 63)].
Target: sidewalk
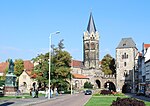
[(138, 97), (26, 102)]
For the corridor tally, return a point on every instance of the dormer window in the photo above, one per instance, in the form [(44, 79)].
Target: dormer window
[(124, 44)]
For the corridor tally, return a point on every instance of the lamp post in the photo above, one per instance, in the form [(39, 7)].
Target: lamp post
[(50, 42), (71, 75)]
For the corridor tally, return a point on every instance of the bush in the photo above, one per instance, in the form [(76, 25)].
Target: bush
[(88, 85), (2, 82), (127, 102), (106, 92)]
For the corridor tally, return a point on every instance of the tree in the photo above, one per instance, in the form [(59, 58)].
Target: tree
[(41, 69), (108, 65), (19, 67), (88, 85), (61, 60), (60, 67)]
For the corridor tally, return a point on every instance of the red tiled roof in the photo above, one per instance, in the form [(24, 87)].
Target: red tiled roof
[(76, 63), (30, 74), (3, 66), (27, 65), (146, 45), (79, 76)]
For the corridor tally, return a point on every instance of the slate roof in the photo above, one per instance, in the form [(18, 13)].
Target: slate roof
[(91, 26), (126, 43)]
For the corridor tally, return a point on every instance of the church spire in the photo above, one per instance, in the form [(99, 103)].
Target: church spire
[(91, 26)]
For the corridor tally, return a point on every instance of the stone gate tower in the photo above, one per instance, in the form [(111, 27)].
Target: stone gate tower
[(125, 59), (91, 45)]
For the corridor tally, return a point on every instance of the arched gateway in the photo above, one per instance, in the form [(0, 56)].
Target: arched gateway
[(98, 83), (105, 82)]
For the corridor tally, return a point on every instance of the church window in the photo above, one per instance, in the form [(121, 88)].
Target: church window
[(92, 46), (87, 46)]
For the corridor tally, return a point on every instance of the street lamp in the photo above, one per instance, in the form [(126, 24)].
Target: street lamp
[(50, 41), (71, 75)]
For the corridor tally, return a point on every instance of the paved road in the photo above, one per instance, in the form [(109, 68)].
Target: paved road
[(69, 100)]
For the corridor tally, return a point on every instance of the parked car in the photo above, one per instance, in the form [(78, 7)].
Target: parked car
[(88, 92)]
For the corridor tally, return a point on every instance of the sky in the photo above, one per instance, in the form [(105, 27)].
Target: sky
[(25, 25)]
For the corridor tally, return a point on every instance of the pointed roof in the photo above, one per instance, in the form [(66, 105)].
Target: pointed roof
[(91, 26), (126, 43)]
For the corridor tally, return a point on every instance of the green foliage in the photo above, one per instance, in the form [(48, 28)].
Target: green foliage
[(2, 82), (4, 75), (60, 67), (88, 85), (19, 67), (42, 67), (108, 65)]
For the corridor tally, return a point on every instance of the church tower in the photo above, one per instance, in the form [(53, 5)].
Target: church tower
[(91, 45)]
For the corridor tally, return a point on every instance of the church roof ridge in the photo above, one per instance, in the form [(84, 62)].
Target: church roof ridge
[(91, 25)]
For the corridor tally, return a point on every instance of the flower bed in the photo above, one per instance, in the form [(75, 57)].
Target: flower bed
[(127, 102)]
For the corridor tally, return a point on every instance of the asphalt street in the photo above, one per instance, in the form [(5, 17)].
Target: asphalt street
[(69, 100)]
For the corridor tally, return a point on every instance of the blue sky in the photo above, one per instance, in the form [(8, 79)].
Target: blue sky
[(25, 25)]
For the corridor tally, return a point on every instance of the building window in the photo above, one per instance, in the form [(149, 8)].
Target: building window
[(125, 63), (122, 56), (125, 56), (125, 73), (124, 44)]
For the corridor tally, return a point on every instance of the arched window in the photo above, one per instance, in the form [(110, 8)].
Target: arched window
[(124, 56), (87, 46), (125, 64), (125, 73), (92, 46), (127, 56)]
